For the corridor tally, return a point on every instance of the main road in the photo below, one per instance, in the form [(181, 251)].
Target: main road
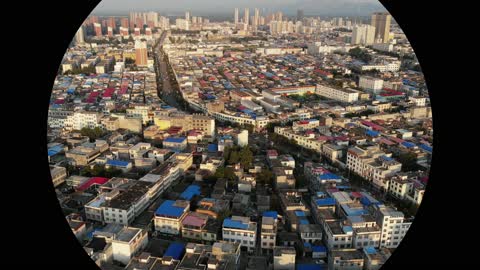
[(166, 91)]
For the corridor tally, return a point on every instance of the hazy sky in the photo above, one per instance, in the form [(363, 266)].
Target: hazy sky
[(202, 7)]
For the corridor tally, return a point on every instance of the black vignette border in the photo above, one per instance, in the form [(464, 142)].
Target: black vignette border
[(51, 27)]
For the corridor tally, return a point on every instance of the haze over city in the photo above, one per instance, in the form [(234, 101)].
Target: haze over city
[(214, 7)]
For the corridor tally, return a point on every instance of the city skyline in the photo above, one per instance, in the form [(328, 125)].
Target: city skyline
[(210, 7)]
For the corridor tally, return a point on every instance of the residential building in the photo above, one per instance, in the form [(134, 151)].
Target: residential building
[(175, 143), (169, 216), (393, 226), (345, 259), (381, 22), (363, 34), (338, 235), (127, 243), (241, 230), (268, 233), (58, 175), (372, 164), (284, 258), (375, 258), (340, 94)]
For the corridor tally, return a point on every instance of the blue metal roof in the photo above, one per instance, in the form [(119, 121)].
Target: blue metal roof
[(190, 192), (299, 213), (426, 147), (229, 223), (175, 250), (386, 158), (175, 139), (372, 133), (117, 163), (273, 214), (370, 250), (168, 209), (325, 202), (304, 222), (54, 150), (319, 249), (329, 175), (408, 144), (347, 229), (212, 148), (310, 267)]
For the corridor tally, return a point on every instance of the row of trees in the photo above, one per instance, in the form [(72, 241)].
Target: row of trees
[(360, 54), (75, 71), (236, 154), (359, 114), (93, 133), (100, 171)]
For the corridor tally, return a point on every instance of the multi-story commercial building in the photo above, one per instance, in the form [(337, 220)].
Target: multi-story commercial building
[(370, 84), (340, 94), (187, 122), (241, 230), (79, 120), (305, 140)]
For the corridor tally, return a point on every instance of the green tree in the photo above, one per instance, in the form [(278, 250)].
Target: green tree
[(229, 174), (223, 214), (129, 61), (265, 177), (408, 160), (234, 158), (246, 157), (220, 172), (94, 133)]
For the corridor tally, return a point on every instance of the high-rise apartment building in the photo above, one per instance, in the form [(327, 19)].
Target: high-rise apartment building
[(246, 16), (141, 53), (79, 37), (124, 22), (300, 14), (98, 29), (381, 22), (235, 19), (363, 34)]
